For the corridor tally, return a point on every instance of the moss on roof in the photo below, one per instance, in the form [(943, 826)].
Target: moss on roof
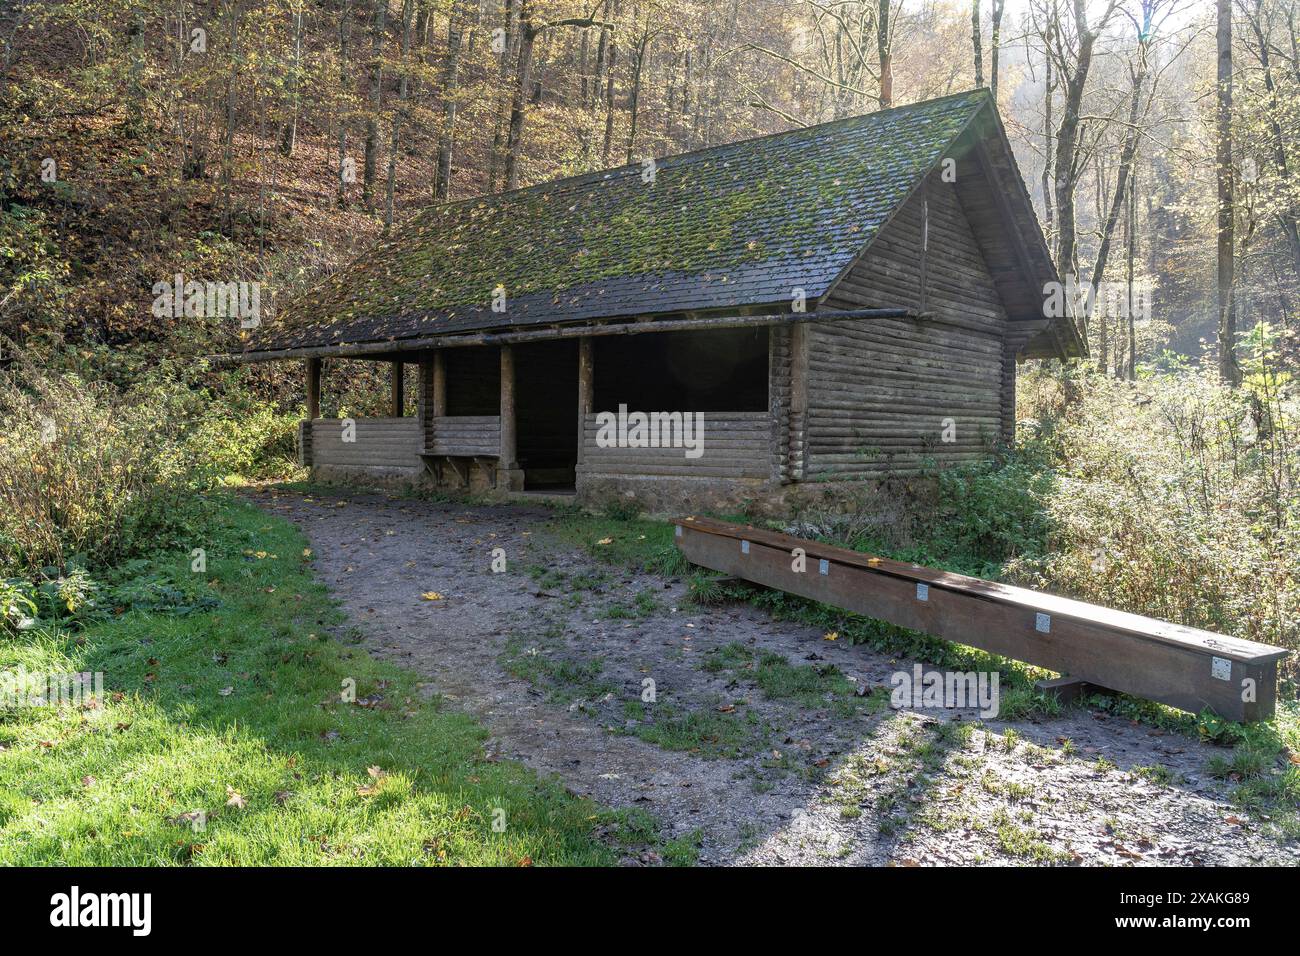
[(732, 226)]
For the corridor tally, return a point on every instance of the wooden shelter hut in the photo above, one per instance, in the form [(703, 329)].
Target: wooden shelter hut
[(844, 301)]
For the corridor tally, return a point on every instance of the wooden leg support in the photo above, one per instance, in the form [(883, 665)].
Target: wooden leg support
[(1069, 690)]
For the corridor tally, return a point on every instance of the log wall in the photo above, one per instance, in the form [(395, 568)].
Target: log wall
[(736, 445), (879, 391), (382, 444)]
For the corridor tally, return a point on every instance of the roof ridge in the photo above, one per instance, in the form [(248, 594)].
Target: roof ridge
[(634, 168), (735, 224)]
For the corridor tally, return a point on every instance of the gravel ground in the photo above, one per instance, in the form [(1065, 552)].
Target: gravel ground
[(553, 656)]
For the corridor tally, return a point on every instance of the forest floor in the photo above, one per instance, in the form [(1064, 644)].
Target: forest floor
[(766, 742)]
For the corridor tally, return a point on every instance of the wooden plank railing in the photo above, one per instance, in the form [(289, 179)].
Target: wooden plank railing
[(1184, 667), (387, 443), (468, 436)]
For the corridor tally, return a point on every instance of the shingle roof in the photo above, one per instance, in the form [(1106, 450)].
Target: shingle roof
[(734, 226)]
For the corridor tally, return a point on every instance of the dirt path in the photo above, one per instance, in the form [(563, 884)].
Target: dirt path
[(751, 750)]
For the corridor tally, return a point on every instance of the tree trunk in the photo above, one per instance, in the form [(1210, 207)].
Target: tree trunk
[(450, 85), (635, 101), (1130, 234), (977, 42), (403, 88), (886, 56), (1228, 368), (611, 57), (1127, 155), (345, 23), (227, 159), (995, 45), (1048, 89), (371, 161), (289, 136), (499, 129), (519, 102), (1067, 144)]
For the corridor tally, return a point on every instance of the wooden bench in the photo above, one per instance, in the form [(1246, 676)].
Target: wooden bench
[(1184, 667)]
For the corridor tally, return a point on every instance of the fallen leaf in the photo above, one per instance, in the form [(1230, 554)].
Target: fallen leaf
[(605, 541), (236, 799), (431, 596)]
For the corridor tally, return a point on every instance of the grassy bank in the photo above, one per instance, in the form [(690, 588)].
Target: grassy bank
[(224, 738)]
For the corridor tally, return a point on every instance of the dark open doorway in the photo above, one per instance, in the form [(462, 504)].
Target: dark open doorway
[(546, 399)]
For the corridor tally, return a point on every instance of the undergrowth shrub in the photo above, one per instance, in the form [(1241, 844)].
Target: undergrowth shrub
[(88, 475), (253, 441), (93, 473), (1169, 499)]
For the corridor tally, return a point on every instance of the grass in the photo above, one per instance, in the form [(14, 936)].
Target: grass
[(707, 733), (223, 740), (1261, 763), (813, 686), (644, 544)]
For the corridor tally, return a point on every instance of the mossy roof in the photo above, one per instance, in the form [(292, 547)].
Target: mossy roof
[(732, 227)]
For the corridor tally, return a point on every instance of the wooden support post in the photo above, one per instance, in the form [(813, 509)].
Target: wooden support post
[(313, 388), (423, 390), (799, 360), (397, 389), (1069, 690), (439, 397), (509, 475), (586, 388)]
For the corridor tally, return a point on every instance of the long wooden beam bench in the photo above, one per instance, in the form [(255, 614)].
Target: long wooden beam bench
[(1184, 667)]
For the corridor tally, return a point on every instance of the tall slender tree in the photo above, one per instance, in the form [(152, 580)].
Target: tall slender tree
[(1229, 370)]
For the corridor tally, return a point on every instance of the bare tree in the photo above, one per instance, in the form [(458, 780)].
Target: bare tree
[(885, 52), (1074, 67), (378, 26), (1229, 370), (450, 99), (528, 34), (995, 44)]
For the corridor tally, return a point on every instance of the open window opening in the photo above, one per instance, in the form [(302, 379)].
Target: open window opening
[(717, 370)]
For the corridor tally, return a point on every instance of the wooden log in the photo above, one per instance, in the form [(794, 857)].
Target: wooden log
[(1183, 667), (439, 384), (509, 473), (313, 388), (586, 387), (397, 389)]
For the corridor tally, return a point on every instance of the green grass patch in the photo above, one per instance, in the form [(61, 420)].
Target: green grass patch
[(707, 732), (225, 740)]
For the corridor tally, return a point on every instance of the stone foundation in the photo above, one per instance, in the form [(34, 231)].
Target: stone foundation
[(881, 502)]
